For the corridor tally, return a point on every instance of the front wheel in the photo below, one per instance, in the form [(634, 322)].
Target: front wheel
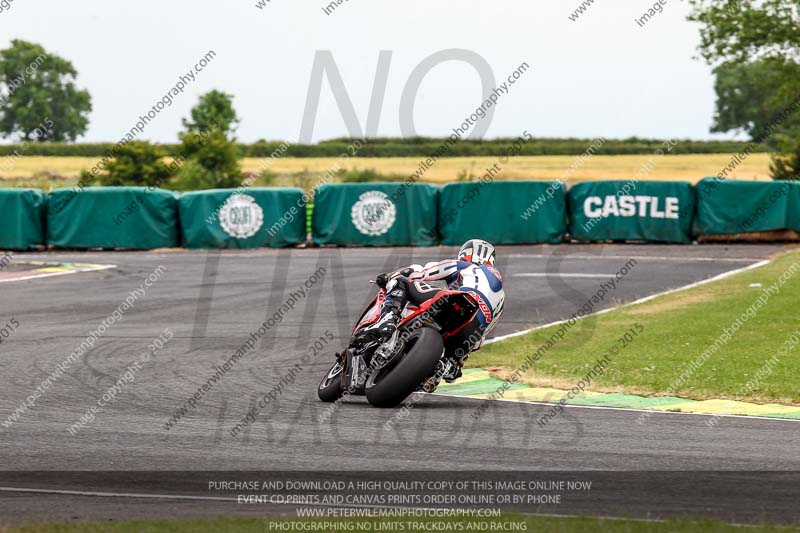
[(330, 388), (389, 386)]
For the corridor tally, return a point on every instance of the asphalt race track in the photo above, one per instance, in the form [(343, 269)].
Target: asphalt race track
[(213, 301)]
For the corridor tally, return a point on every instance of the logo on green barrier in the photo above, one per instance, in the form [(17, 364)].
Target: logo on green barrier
[(373, 213), (595, 207), (241, 217)]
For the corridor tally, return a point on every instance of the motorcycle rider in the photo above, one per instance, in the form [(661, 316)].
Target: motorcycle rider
[(473, 271)]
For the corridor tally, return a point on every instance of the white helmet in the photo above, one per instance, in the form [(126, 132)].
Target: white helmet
[(477, 251)]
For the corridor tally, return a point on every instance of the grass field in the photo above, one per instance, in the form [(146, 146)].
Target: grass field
[(30, 171), (676, 330), (530, 523), (675, 167)]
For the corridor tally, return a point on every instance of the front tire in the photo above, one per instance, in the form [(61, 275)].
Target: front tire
[(391, 385), (330, 388)]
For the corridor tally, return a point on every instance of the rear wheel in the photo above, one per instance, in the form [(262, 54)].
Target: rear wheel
[(389, 386), (330, 388)]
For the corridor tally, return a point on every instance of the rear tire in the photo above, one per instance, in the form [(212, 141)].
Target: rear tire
[(390, 386), (330, 388)]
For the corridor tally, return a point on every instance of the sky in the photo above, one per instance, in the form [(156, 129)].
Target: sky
[(601, 75)]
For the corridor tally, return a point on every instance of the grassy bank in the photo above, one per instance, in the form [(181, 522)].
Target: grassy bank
[(512, 523), (682, 334), (54, 172)]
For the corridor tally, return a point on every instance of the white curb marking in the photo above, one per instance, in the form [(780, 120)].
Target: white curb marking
[(635, 302)]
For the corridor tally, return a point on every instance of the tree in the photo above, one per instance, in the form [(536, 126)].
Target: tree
[(211, 161), (755, 45), (40, 89), (750, 95), (136, 163), (748, 30), (215, 110)]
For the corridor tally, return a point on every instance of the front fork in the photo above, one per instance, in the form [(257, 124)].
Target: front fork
[(355, 372), (358, 368)]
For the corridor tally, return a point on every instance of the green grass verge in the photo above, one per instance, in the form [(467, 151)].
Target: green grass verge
[(677, 329), (513, 523)]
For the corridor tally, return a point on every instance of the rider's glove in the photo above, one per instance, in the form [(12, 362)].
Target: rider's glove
[(382, 280)]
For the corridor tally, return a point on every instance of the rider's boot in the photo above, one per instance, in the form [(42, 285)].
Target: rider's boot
[(396, 296), (455, 371), (386, 325)]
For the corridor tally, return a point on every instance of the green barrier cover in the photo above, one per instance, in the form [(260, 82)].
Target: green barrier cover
[(375, 214), (137, 218), (255, 218), (504, 212), (22, 218), (732, 206), (659, 211)]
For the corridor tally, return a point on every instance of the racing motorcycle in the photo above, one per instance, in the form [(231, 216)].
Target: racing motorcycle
[(415, 358)]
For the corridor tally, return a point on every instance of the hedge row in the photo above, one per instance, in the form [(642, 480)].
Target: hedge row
[(413, 147)]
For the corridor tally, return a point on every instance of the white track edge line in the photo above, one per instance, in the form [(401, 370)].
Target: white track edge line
[(638, 257), (636, 302), (102, 494), (67, 492), (560, 275), (115, 494), (52, 274)]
